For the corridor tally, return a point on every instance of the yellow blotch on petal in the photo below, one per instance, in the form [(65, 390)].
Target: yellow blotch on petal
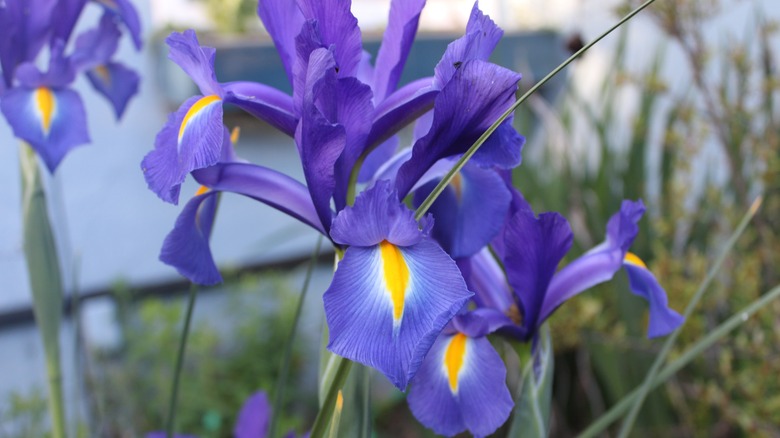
[(396, 276), (201, 190), (457, 184), (47, 104), (195, 109), (103, 72), (235, 134), (454, 357), (634, 260), (339, 401)]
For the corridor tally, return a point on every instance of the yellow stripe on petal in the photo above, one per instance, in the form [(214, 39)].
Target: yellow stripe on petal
[(632, 258), (46, 104), (454, 357), (199, 105), (396, 276)]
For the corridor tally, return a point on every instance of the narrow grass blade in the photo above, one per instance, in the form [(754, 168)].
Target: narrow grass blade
[(40, 251), (687, 357), (428, 202), (532, 410), (171, 424), (628, 423), (284, 366)]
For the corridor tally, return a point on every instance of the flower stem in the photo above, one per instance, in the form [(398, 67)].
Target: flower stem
[(426, 204), (171, 423), (628, 423), (326, 411), (286, 357), (43, 266)]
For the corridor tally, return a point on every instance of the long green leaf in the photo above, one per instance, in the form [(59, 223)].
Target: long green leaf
[(690, 354), (40, 250), (659, 360), (532, 409)]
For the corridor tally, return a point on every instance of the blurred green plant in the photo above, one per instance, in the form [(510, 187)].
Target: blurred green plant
[(225, 362), (231, 16), (729, 105)]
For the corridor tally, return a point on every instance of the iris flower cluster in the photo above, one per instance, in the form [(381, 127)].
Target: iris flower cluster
[(413, 299), (40, 106)]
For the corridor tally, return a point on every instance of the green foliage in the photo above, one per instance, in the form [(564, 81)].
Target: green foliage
[(228, 358), (729, 103), (24, 415)]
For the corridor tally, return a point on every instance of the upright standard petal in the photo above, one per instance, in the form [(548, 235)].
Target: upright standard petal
[(396, 42), (191, 139), (67, 13), (96, 46), (338, 28), (53, 121), (388, 302), (662, 319), (482, 36), (195, 60), (128, 15), (116, 82), (534, 247), (254, 418), (487, 90), (282, 20), (461, 386)]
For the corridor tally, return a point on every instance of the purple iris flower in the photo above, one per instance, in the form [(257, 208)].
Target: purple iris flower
[(40, 107), (531, 249), (393, 291), (395, 288), (461, 384)]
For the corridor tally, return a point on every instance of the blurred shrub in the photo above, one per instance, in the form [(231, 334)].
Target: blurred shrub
[(728, 102), (231, 353)]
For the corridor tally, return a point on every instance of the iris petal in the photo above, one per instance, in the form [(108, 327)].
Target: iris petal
[(191, 139), (116, 82), (396, 42), (487, 90), (662, 320), (53, 121), (481, 402), (361, 310), (186, 247)]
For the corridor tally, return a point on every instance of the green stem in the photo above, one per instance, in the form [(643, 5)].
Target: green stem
[(326, 411), (692, 353), (169, 428), (43, 267), (423, 208), (287, 356), (628, 423), (366, 408)]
